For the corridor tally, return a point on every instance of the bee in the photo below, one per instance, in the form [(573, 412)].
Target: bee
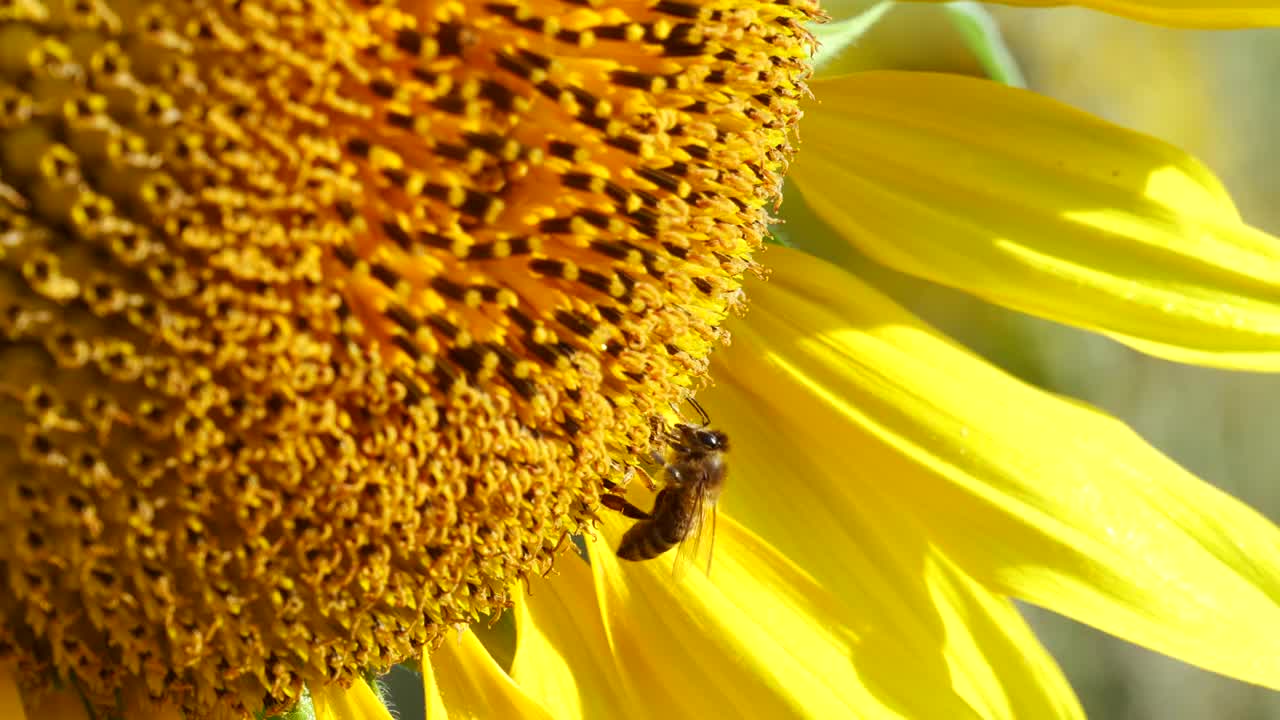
[(684, 512)]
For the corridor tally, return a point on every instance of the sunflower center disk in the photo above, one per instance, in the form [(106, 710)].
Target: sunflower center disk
[(322, 322)]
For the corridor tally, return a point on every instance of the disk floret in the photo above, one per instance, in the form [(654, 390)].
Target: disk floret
[(323, 323)]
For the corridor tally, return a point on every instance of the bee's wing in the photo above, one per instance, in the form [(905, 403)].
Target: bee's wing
[(698, 545)]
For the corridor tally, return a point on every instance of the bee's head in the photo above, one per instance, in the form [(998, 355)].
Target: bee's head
[(711, 440)]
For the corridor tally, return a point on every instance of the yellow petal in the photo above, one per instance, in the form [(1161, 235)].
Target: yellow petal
[(562, 657), (358, 702), (761, 638), (1203, 14), (1044, 209), (829, 517), (756, 639), (997, 662), (464, 683), (1035, 496)]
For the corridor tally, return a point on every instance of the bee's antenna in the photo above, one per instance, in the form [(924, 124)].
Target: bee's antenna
[(706, 419)]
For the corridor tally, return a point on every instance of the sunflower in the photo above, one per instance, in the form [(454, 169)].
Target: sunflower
[(326, 326)]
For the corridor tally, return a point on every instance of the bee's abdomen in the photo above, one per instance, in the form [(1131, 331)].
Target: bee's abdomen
[(644, 541)]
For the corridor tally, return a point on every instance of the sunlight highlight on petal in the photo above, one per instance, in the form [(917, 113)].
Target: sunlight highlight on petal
[(997, 662), (828, 514), (563, 660), (960, 643), (1038, 497), (757, 639), (1181, 13), (464, 682), (1044, 209)]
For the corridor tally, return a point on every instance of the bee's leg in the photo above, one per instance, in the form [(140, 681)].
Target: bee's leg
[(657, 426), (678, 446), (620, 504)]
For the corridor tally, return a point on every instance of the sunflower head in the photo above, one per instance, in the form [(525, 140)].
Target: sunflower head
[(324, 322)]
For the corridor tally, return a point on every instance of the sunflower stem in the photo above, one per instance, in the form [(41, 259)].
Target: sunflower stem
[(834, 37), (982, 34)]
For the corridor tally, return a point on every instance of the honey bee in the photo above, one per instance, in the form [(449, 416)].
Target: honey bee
[(684, 512)]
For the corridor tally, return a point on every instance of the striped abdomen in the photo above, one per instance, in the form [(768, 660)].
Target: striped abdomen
[(670, 522)]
